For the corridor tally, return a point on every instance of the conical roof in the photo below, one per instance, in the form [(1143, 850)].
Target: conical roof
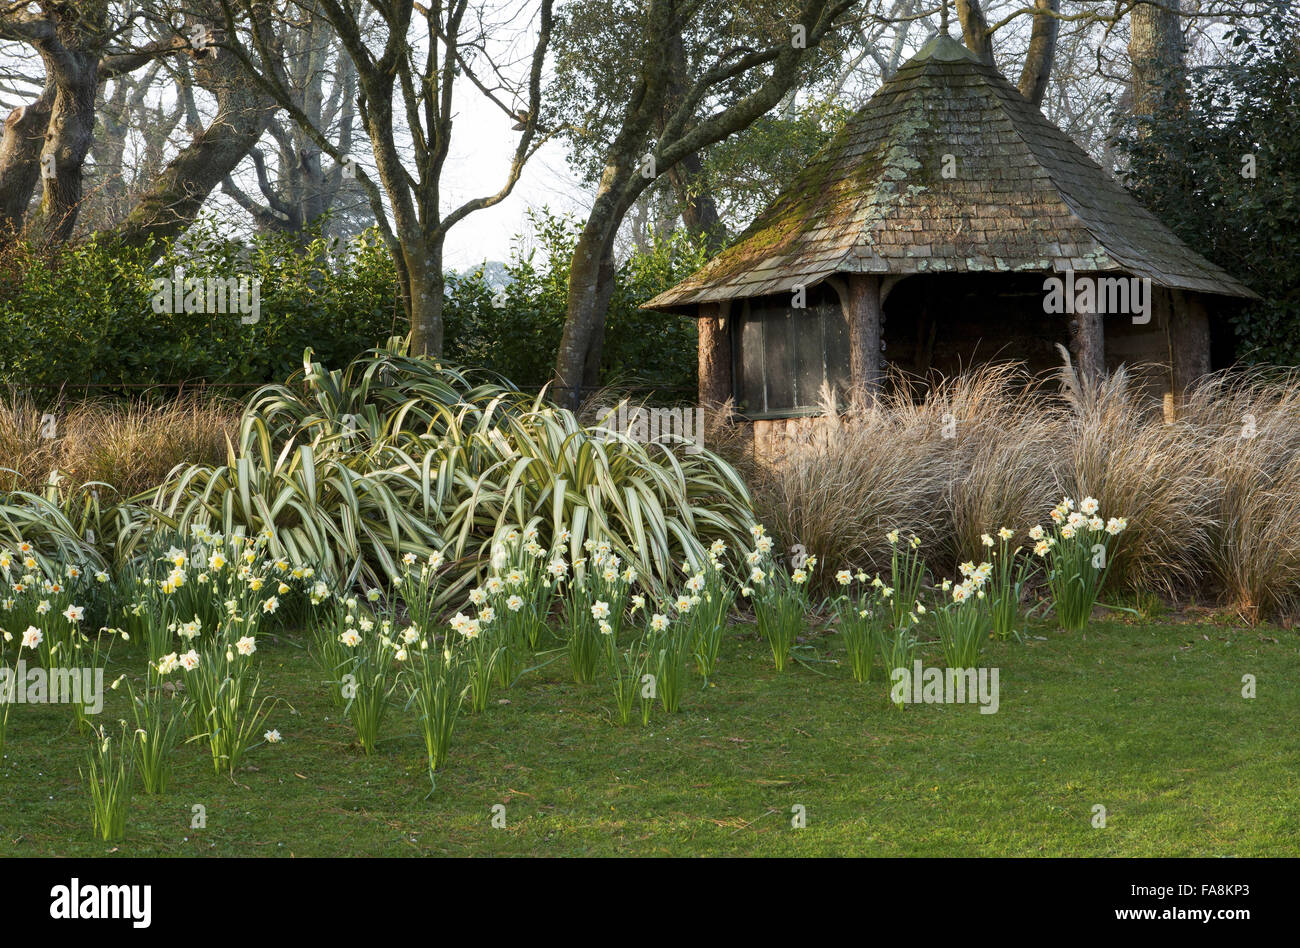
[(948, 169)]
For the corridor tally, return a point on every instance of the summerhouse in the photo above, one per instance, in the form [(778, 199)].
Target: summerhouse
[(949, 222)]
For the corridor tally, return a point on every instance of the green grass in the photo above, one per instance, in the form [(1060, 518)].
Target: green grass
[(1146, 719)]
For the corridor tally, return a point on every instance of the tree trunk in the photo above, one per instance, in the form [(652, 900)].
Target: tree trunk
[(1041, 52), (68, 138), (584, 290), (606, 277), (1155, 49), (426, 283), (975, 30), (20, 153)]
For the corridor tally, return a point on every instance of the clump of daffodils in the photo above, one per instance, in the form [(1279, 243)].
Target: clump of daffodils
[(1070, 523), (596, 601), (706, 602), (764, 566), (974, 579), (1077, 548), (864, 611), (525, 574), (779, 593)]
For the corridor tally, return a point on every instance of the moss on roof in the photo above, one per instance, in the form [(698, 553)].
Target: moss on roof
[(947, 169)]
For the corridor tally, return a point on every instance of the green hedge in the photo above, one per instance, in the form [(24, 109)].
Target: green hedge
[(84, 315)]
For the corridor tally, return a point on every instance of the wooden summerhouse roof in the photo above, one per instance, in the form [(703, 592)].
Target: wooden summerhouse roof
[(1019, 196)]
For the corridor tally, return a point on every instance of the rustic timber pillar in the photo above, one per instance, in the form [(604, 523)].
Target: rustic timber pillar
[(1189, 341), (714, 354), (862, 312), (1089, 344)]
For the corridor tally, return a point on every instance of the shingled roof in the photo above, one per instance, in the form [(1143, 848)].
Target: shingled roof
[(1024, 198)]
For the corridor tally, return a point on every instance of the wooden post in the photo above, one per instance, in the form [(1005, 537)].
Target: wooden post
[(1189, 340), (1089, 346), (862, 311), (714, 355)]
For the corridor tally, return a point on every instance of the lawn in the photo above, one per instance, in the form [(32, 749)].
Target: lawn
[(1145, 718)]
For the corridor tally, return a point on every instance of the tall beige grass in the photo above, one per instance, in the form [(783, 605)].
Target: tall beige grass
[(1212, 497), (1118, 448), (947, 467), (131, 447), (27, 456), (1249, 426)]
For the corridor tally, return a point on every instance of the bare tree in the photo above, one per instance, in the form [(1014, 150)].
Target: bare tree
[(84, 46), (243, 111), (296, 188), (132, 136), (407, 64)]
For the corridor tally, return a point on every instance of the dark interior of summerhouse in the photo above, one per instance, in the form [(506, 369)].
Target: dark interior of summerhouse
[(936, 325)]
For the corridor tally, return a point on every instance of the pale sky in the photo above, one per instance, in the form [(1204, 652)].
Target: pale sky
[(478, 164), (482, 145)]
